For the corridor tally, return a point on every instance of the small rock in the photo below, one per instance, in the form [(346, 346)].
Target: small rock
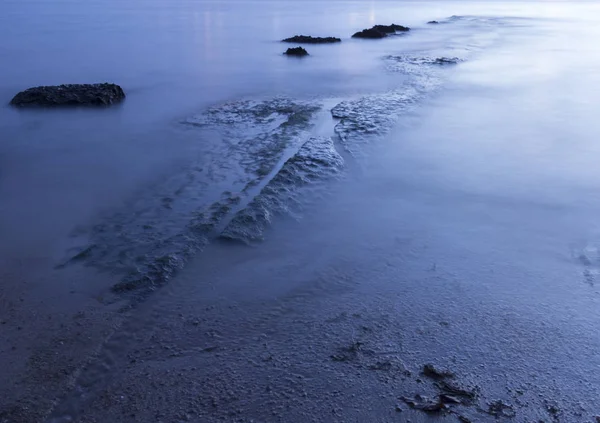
[(449, 399), (553, 409), (307, 39), (426, 404), (370, 34), (433, 22), (456, 391), (296, 51), (380, 31), (446, 61), (391, 29)]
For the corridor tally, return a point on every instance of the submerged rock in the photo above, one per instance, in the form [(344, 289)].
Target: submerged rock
[(380, 31), (446, 61), (69, 95), (296, 51), (307, 39), (433, 22), (418, 61)]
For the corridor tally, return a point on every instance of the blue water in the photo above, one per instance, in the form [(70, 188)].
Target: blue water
[(175, 59)]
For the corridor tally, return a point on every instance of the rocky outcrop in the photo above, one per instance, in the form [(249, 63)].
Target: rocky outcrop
[(296, 51), (391, 29), (369, 33), (70, 95), (380, 31), (307, 39)]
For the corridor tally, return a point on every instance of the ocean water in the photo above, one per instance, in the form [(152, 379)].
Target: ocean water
[(467, 148), (137, 179)]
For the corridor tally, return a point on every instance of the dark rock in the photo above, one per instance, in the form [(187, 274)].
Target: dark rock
[(307, 39), (454, 390), (449, 399), (296, 51), (432, 372), (390, 29), (446, 61), (553, 409), (380, 31), (424, 403), (69, 95), (369, 33), (433, 22)]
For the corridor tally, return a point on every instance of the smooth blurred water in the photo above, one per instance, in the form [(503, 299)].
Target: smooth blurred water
[(174, 59)]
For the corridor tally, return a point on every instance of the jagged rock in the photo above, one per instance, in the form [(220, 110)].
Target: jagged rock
[(454, 390), (449, 399), (307, 39), (296, 51), (390, 29), (380, 31), (369, 33), (69, 95), (446, 61)]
